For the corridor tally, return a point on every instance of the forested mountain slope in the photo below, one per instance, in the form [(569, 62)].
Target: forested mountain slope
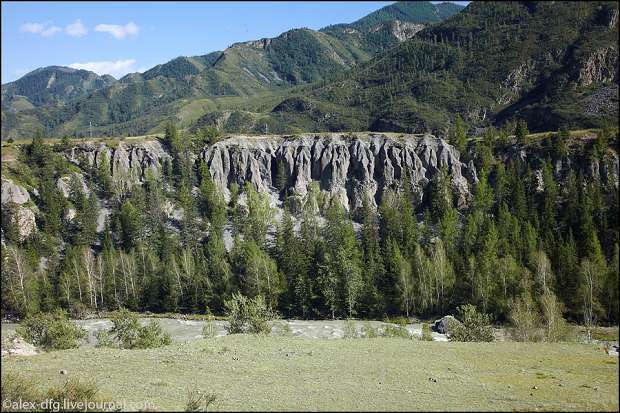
[(321, 225), (550, 63), (141, 102)]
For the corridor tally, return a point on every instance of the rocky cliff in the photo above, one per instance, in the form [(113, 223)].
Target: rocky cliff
[(345, 166)]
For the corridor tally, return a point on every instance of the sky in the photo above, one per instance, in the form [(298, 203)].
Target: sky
[(117, 38)]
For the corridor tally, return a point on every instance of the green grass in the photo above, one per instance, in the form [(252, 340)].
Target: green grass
[(281, 373), (602, 333)]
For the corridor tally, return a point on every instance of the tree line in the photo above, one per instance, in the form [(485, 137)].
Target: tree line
[(524, 239)]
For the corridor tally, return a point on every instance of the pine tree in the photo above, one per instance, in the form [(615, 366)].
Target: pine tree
[(522, 132), (130, 221), (459, 136), (373, 270), (189, 224)]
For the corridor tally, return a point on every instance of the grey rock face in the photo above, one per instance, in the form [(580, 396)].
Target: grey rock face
[(64, 184), (22, 217), (129, 162), (600, 66), (11, 192), (25, 221), (345, 167)]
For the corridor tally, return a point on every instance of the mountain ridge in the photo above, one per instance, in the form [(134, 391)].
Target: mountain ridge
[(240, 70)]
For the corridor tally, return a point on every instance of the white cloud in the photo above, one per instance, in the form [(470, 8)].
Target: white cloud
[(116, 68), (50, 31), (31, 27), (76, 29), (43, 29), (119, 32)]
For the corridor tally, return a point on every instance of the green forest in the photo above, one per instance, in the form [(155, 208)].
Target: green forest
[(513, 247)]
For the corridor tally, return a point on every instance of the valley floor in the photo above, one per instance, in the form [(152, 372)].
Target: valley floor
[(289, 373)]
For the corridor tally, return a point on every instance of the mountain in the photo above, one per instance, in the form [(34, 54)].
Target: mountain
[(420, 12), (51, 85), (552, 63), (187, 88)]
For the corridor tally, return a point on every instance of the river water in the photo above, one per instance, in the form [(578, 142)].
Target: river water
[(187, 330)]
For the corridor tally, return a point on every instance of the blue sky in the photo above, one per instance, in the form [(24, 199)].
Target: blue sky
[(123, 37)]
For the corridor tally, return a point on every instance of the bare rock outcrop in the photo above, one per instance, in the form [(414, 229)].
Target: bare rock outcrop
[(346, 167), (129, 162), (600, 66), (64, 184), (15, 202), (13, 193)]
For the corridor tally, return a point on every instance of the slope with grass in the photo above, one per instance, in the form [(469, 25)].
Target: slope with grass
[(248, 372)]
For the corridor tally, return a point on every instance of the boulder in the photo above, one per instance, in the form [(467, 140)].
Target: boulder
[(26, 222), (13, 193), (64, 184), (442, 326)]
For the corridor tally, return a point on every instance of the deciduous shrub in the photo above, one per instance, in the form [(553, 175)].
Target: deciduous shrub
[(528, 325), (248, 315), (51, 331), (281, 329), (16, 387), (198, 401), (525, 320), (426, 332), (105, 339), (209, 330), (475, 326), (395, 331), (556, 327), (128, 332), (368, 331), (125, 328), (152, 336), (350, 331)]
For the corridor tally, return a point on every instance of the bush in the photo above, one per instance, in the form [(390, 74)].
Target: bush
[(51, 331), (395, 331), (282, 329), (209, 330), (198, 401), (73, 390), (105, 339), (525, 320), (128, 333), (529, 326), (369, 331), (16, 387), (401, 321), (152, 336), (556, 327), (126, 328), (475, 326), (350, 331), (426, 332), (78, 310), (248, 315)]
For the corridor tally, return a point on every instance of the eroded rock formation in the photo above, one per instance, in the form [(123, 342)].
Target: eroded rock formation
[(346, 167)]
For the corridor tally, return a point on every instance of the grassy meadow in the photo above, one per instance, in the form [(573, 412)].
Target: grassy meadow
[(249, 372)]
